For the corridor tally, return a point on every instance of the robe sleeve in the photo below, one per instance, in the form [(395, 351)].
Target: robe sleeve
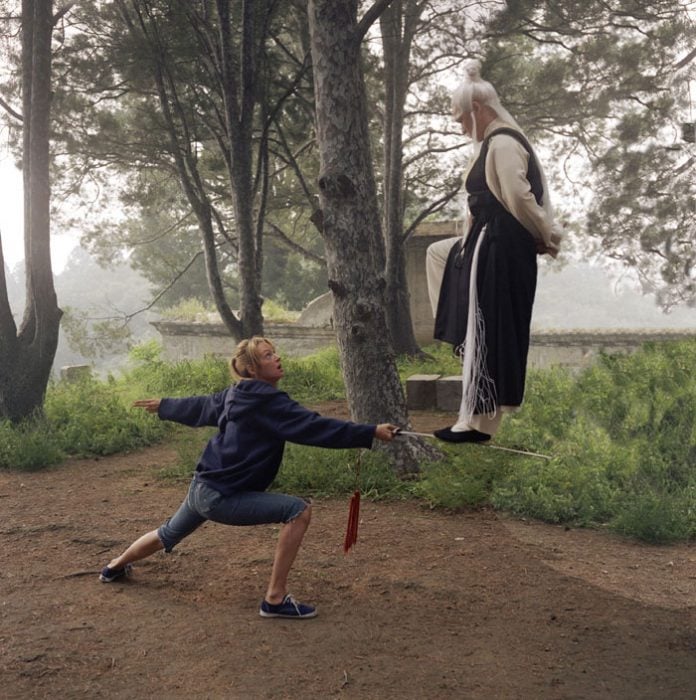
[(506, 176)]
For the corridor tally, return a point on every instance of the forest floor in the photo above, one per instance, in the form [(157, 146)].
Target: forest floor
[(427, 605)]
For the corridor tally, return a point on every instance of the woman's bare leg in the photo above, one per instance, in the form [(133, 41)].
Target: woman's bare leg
[(143, 547), (289, 541)]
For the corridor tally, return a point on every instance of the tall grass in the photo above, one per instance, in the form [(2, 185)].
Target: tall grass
[(622, 437), (622, 441), (315, 378)]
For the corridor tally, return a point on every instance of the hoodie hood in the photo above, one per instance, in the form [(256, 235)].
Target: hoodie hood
[(246, 397)]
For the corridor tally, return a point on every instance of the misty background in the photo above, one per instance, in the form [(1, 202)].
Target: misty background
[(577, 295)]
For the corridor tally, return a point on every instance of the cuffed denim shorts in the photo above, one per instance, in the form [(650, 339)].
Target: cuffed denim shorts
[(246, 508)]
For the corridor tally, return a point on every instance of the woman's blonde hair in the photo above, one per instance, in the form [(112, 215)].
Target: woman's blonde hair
[(247, 356)]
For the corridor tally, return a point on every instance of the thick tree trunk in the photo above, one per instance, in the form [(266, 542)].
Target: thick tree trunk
[(26, 357), (351, 227)]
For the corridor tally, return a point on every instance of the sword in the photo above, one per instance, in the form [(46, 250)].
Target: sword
[(527, 453)]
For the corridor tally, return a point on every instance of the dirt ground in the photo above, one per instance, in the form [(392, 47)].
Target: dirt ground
[(427, 605)]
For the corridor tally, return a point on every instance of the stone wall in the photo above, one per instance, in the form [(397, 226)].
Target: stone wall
[(191, 341), (578, 349), (421, 312), (573, 349)]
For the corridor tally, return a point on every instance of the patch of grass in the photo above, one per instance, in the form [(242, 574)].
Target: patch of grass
[(150, 375), (89, 418), (313, 471), (622, 437), (438, 359), (274, 311), (314, 378), (464, 479), (190, 310), (656, 517), (28, 447)]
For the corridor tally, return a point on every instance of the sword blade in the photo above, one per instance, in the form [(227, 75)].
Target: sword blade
[(411, 433)]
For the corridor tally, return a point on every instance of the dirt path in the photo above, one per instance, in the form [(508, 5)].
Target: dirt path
[(428, 605)]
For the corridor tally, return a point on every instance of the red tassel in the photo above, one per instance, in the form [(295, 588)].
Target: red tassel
[(353, 519)]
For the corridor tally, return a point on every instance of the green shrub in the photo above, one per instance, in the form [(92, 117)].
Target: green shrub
[(313, 471), (464, 479), (579, 485), (28, 447), (547, 413), (622, 437), (153, 376), (656, 517), (89, 417)]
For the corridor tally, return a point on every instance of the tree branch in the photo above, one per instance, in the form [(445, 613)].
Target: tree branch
[(11, 111), (430, 209), (295, 246), (162, 292), (370, 17), (687, 59), (62, 12)]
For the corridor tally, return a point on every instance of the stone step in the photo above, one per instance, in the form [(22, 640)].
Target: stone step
[(449, 393), (433, 392)]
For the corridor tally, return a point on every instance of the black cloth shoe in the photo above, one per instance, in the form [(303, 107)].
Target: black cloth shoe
[(447, 435)]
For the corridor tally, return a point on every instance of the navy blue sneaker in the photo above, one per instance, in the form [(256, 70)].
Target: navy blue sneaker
[(288, 608), (108, 575)]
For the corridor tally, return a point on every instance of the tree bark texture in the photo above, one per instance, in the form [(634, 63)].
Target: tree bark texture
[(398, 24), (238, 74), (26, 356), (351, 227)]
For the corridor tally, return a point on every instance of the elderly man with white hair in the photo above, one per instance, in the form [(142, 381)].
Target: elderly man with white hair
[(482, 285)]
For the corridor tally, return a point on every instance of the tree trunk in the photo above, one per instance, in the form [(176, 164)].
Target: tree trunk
[(239, 94), (351, 227), (26, 357), (234, 46), (398, 23)]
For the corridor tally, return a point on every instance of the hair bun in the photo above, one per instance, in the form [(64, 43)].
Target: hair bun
[(472, 69)]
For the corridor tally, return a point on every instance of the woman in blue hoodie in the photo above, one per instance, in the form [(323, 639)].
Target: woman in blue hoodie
[(254, 420)]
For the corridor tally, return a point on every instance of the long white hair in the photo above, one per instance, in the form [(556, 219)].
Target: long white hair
[(474, 88)]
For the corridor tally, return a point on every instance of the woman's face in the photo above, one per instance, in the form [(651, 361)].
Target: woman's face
[(268, 368)]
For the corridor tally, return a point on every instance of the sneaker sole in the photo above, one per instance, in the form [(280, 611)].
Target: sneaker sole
[(306, 616), (122, 574)]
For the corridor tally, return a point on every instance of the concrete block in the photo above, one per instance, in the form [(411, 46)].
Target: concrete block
[(74, 373), (449, 393), (421, 392)]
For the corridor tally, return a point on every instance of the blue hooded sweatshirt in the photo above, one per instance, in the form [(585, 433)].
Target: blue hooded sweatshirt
[(254, 421)]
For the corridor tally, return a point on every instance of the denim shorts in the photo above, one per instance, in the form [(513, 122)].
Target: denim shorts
[(246, 508)]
